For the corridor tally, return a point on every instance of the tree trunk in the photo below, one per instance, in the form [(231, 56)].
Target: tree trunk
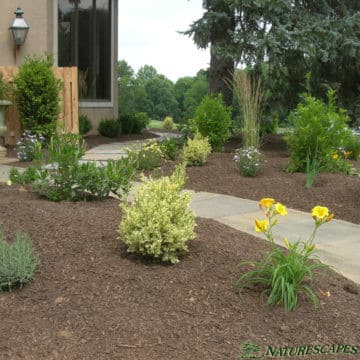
[(221, 72)]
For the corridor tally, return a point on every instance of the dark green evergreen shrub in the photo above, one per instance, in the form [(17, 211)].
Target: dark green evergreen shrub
[(141, 120), (127, 123), (109, 127), (37, 95)]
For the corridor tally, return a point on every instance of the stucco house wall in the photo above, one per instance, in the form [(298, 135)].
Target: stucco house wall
[(41, 16)]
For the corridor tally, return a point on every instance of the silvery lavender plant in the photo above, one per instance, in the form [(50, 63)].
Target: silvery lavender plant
[(25, 148)]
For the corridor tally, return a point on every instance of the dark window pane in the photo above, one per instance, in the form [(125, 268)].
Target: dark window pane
[(85, 41)]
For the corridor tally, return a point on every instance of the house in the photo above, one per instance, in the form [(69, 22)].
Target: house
[(80, 33)]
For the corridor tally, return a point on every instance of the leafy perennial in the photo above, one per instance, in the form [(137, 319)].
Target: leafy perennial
[(284, 275)]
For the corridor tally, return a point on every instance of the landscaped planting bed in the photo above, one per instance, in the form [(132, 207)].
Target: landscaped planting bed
[(92, 300), (337, 191)]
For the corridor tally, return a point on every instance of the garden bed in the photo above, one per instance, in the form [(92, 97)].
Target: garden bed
[(91, 142), (91, 300), (339, 192)]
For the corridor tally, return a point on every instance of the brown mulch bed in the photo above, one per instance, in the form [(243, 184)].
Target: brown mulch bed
[(91, 300), (339, 192)]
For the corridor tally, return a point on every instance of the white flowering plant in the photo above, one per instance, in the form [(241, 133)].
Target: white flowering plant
[(248, 160), (27, 146)]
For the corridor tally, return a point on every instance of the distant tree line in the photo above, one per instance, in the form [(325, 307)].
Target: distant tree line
[(283, 40), (153, 93)]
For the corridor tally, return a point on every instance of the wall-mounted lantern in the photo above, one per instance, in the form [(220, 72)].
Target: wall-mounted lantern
[(19, 28)]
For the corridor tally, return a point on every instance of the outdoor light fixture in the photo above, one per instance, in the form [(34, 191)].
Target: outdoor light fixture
[(19, 28)]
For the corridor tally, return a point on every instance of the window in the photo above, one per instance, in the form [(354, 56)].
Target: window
[(84, 40)]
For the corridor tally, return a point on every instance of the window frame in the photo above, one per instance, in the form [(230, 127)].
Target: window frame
[(86, 103)]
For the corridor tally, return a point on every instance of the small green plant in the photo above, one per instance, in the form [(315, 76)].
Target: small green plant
[(109, 128), (168, 123), (285, 275), (249, 92), (169, 149), (159, 222), (248, 161), (69, 179), (318, 128), (140, 122), (37, 95), (313, 168), (18, 261), (148, 157), (84, 124), (212, 119), (196, 151)]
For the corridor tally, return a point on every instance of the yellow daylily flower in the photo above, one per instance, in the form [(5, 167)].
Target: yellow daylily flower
[(261, 225), (329, 218), (335, 156), (319, 212), (280, 209), (310, 248), (266, 202), (287, 243)]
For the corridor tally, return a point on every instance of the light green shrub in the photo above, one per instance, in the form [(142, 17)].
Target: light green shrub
[(196, 151), (18, 261), (168, 123), (159, 222), (212, 119), (319, 129), (148, 157)]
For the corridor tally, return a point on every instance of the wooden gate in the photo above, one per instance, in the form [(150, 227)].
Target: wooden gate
[(68, 102)]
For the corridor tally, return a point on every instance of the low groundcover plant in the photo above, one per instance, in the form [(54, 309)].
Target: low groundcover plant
[(18, 261), (284, 275)]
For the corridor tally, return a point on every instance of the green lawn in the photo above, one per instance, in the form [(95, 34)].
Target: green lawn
[(156, 124)]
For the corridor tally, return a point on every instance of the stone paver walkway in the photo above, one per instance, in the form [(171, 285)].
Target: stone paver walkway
[(337, 243), (117, 150)]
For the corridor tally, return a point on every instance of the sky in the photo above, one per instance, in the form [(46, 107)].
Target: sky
[(148, 36)]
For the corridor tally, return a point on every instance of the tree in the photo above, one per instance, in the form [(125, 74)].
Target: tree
[(215, 28), (286, 38)]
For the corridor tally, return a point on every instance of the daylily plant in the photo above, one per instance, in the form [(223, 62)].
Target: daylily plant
[(284, 274)]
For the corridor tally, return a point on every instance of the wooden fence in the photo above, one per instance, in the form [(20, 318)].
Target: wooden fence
[(68, 102)]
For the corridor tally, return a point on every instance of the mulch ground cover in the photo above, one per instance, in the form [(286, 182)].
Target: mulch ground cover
[(91, 300), (339, 192)]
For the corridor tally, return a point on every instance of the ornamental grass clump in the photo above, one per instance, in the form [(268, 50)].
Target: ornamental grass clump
[(159, 222), (18, 261), (248, 161), (284, 275), (196, 151)]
